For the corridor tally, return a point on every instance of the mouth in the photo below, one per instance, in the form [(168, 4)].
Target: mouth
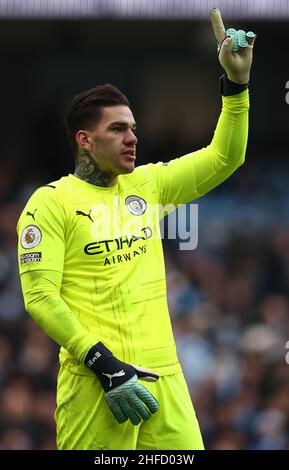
[(130, 153)]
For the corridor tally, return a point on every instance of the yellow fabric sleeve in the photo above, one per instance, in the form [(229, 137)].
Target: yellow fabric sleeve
[(44, 304), (191, 176)]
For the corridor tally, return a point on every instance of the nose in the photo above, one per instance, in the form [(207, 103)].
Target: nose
[(130, 137)]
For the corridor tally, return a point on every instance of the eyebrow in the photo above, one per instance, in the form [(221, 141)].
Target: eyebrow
[(122, 124)]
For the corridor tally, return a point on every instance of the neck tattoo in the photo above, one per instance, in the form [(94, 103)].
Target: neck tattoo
[(88, 170)]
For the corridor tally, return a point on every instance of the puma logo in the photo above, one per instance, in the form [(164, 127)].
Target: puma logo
[(117, 374), (32, 214), (84, 214)]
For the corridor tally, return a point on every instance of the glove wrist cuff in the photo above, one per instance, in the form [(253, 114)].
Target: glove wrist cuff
[(111, 371), (96, 356), (229, 88)]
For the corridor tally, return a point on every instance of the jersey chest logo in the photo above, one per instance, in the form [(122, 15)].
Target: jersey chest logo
[(136, 205), (84, 214)]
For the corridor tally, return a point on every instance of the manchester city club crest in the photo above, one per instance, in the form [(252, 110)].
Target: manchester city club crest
[(136, 205), (31, 236)]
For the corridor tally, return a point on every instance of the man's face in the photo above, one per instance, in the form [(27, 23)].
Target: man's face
[(113, 142)]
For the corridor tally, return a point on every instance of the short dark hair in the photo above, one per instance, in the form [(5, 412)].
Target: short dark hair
[(85, 109)]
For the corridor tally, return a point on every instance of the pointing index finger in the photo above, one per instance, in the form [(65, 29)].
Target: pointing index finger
[(218, 25)]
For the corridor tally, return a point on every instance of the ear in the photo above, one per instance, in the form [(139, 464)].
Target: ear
[(83, 139)]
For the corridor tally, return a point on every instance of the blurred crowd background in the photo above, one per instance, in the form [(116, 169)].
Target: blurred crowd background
[(228, 298)]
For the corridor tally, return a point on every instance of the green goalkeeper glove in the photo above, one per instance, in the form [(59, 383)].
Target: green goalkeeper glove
[(235, 49), (123, 393), (241, 39)]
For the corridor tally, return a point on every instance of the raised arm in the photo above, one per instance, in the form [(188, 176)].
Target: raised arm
[(191, 176)]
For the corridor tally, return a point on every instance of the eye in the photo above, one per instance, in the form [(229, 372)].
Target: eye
[(117, 129)]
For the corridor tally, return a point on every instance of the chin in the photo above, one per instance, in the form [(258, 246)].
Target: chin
[(126, 169), (130, 170)]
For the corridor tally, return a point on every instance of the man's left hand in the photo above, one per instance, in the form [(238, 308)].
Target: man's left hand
[(236, 49)]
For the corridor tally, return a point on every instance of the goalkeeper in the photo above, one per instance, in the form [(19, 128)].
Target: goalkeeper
[(92, 270)]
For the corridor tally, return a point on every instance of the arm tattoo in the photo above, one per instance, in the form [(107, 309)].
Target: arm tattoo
[(88, 170)]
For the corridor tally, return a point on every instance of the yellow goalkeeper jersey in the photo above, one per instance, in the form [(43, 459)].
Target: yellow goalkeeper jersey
[(106, 243)]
